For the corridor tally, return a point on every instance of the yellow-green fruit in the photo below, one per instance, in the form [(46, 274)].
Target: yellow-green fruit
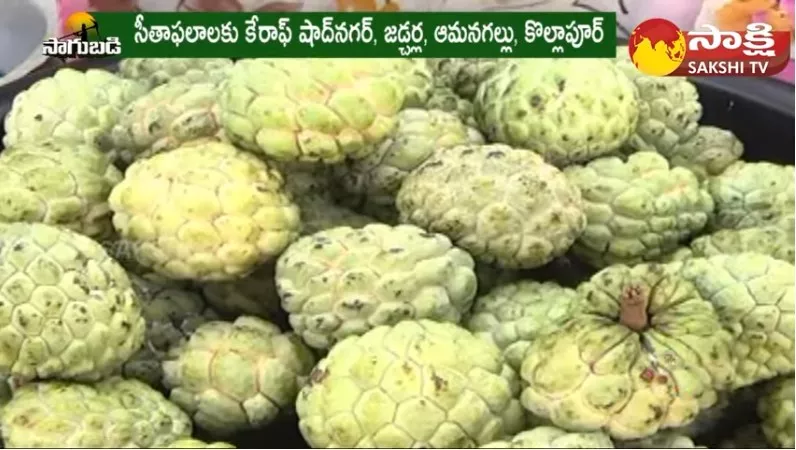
[(707, 153), (113, 413), (157, 71), (552, 437), (418, 384), (345, 281), (444, 99), (59, 184), (647, 352), (772, 240), (70, 106), (505, 206), (236, 376), (567, 110), (205, 212), (463, 75), (67, 310), (253, 295), (195, 443), (775, 410)]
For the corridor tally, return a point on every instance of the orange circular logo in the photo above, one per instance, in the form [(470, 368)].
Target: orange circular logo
[(657, 47), (82, 24)]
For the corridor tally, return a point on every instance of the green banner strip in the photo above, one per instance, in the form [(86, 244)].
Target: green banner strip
[(361, 35)]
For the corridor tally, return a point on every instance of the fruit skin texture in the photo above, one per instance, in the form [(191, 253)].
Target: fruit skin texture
[(236, 376), (708, 153), (444, 99), (512, 315), (157, 71), (775, 410), (775, 241), (646, 353), (70, 106), (195, 443), (205, 211), (113, 413), (567, 110), (552, 437), (314, 110), (58, 184), (67, 310), (505, 206), (417, 384), (344, 281), (464, 75), (751, 194), (637, 210)]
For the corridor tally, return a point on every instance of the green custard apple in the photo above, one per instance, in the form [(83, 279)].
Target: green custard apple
[(157, 71), (253, 295), (567, 110), (417, 384), (552, 437), (236, 376), (707, 153), (113, 413), (344, 281), (195, 443), (67, 309), (505, 206), (445, 99), (512, 315), (637, 210), (772, 240), (464, 75), (204, 212), (70, 106), (60, 184), (663, 439), (775, 410), (646, 353)]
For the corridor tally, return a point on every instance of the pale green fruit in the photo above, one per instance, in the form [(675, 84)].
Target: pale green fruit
[(157, 71), (775, 410), (772, 240), (195, 443), (707, 153), (463, 75), (444, 99), (552, 437)]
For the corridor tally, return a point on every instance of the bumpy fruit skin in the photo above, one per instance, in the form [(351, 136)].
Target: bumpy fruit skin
[(754, 297), (195, 443), (314, 110), (775, 410), (236, 376), (646, 353), (205, 211), (67, 310), (157, 71), (637, 210), (58, 184), (464, 75), (664, 439), (751, 194), (345, 281), (552, 437), (113, 413), (567, 110), (70, 106), (707, 153), (418, 384), (444, 99), (505, 206), (514, 314), (252, 295), (775, 241)]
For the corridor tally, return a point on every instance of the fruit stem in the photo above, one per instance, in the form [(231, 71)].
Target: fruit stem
[(633, 308)]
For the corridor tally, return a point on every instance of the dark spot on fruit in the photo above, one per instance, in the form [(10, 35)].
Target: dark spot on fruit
[(536, 101), (317, 375), (439, 382), (495, 154), (23, 321), (38, 118), (469, 151), (395, 250), (153, 127), (126, 325), (18, 246), (561, 84), (426, 235), (657, 412)]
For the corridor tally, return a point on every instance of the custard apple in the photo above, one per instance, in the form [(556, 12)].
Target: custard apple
[(113, 413), (417, 384), (56, 183), (775, 409), (752, 194), (195, 443), (646, 353), (344, 281), (707, 153), (253, 295), (464, 75), (567, 110), (205, 211), (236, 376), (637, 210), (748, 436), (444, 99), (514, 314), (315, 110), (70, 106), (67, 310), (157, 71), (505, 206), (772, 240), (663, 439), (552, 437)]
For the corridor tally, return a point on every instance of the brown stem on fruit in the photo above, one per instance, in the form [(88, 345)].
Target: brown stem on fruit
[(633, 308)]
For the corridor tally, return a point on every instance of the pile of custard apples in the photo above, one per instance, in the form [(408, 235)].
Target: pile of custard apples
[(396, 253)]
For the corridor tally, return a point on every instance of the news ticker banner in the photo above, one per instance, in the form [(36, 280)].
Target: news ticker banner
[(338, 35)]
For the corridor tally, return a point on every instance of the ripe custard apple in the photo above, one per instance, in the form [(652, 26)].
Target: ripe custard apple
[(253, 295), (751, 194), (707, 153), (419, 134), (237, 376), (344, 281), (67, 310), (646, 353), (512, 315), (444, 99), (205, 212), (195, 443), (417, 384), (552, 437), (59, 184), (663, 439), (753, 295), (70, 106), (637, 210), (315, 110), (113, 413), (464, 75), (157, 71), (775, 241), (567, 110), (505, 206), (775, 409)]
